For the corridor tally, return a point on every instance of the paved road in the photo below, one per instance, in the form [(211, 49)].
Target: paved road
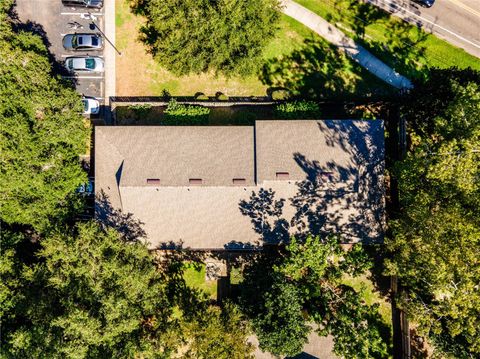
[(346, 44), (456, 21)]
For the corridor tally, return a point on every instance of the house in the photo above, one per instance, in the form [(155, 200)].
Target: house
[(237, 187)]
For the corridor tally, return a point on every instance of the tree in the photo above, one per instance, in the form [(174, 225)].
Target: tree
[(90, 294), (195, 36), (304, 285), (42, 132), (277, 318), (435, 246), (219, 333)]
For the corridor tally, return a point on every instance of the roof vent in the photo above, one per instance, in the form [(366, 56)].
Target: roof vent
[(153, 181), (283, 175), (239, 181), (195, 181)]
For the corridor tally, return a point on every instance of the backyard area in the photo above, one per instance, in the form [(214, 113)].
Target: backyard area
[(194, 276), (296, 59)]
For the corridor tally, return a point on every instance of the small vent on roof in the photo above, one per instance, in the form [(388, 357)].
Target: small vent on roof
[(239, 181), (283, 175), (153, 181), (195, 181)]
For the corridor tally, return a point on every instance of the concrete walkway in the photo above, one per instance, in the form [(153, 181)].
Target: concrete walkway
[(339, 39), (109, 54)]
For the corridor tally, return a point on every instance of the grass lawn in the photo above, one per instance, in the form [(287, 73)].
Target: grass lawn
[(139, 75), (194, 276), (405, 47), (371, 296)]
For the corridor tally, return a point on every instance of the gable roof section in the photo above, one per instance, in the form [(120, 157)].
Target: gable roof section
[(307, 149), (175, 154)]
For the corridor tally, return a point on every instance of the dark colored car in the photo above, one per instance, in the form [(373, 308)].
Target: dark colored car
[(425, 3), (84, 3), (82, 42)]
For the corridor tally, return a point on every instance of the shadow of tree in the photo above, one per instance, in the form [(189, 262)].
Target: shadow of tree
[(29, 44), (265, 213), (126, 224), (403, 45), (346, 200), (320, 71)]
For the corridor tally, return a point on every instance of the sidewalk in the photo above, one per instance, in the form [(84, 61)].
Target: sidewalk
[(110, 54), (339, 39)]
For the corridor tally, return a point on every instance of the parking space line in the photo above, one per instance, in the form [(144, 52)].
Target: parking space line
[(73, 54), (82, 77), (80, 13)]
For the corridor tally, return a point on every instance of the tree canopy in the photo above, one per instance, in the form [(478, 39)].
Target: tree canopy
[(195, 36), (435, 249), (285, 294), (88, 293), (42, 132)]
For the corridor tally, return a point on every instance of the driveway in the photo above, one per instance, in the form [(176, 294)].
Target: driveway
[(52, 20), (456, 21)]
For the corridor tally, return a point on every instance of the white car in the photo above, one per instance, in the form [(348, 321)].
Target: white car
[(84, 64), (91, 106)]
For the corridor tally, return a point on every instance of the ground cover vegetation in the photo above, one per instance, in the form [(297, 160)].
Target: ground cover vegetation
[(436, 236), (405, 47)]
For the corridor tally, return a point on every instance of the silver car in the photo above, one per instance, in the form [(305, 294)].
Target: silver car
[(82, 42), (84, 64)]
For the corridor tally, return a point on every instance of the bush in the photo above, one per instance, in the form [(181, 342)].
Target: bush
[(280, 95), (181, 114), (298, 110), (201, 97), (140, 110), (221, 96)]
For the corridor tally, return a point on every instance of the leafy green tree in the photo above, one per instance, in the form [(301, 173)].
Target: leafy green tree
[(90, 294), (305, 285), (42, 132), (277, 318), (436, 236), (217, 333), (195, 36)]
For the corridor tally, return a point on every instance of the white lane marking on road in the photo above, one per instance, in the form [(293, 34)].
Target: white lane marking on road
[(466, 7), (80, 13), (395, 6)]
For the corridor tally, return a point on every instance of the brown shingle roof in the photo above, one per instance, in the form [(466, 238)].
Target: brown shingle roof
[(343, 158)]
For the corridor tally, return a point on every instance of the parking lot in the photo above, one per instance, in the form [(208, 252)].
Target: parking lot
[(53, 20)]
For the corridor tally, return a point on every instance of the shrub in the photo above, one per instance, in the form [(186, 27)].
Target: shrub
[(221, 96), (140, 110), (298, 109), (200, 96), (181, 114), (280, 95)]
